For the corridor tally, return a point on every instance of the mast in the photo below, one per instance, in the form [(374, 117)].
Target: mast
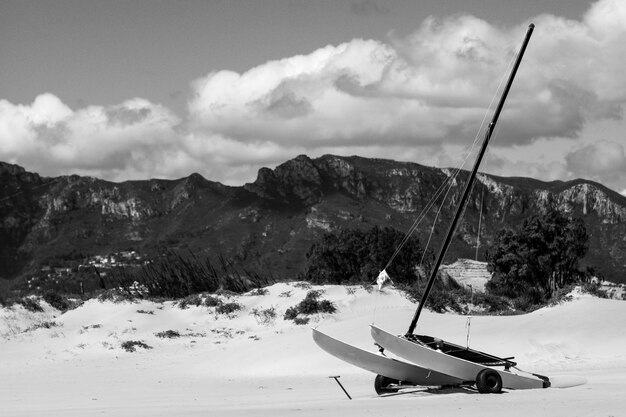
[(470, 182)]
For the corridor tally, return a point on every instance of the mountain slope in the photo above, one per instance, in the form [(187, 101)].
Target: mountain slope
[(270, 224)]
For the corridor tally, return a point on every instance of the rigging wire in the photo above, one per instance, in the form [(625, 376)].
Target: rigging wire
[(480, 218), (450, 180)]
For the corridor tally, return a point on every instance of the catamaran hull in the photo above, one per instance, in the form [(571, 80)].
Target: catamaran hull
[(392, 368), (450, 365)]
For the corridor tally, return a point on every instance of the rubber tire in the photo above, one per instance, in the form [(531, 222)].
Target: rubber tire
[(381, 384), (489, 381)]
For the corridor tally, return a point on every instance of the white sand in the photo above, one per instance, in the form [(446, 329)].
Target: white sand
[(238, 366)]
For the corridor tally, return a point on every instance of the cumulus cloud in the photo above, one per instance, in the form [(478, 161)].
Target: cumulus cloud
[(434, 85), (133, 140), (419, 97), (93, 140), (603, 160)]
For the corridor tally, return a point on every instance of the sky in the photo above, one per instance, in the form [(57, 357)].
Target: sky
[(142, 89)]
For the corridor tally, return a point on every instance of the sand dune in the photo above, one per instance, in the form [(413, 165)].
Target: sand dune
[(245, 364)]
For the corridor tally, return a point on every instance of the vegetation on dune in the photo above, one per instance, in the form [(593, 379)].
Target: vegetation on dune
[(531, 263), (311, 304), (531, 266), (357, 256), (132, 345), (177, 275)]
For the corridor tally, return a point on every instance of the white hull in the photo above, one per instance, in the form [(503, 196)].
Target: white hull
[(382, 365), (450, 365)]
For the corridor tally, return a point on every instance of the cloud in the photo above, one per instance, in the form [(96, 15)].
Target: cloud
[(420, 97), (603, 160), (94, 140), (434, 85)]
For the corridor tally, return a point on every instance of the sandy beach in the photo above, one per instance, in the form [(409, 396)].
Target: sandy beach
[(239, 365)]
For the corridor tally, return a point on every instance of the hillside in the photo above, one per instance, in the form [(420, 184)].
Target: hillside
[(269, 224)]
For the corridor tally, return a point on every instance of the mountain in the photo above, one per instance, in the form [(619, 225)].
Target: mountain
[(269, 224)]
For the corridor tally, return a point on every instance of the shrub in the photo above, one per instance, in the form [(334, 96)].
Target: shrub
[(145, 312), (212, 301), (115, 295), (291, 313), (445, 294), (538, 258), (170, 334), (356, 256), (439, 301), (301, 320), (56, 301), (132, 345), (593, 288), (30, 304), (228, 308), (326, 306), (190, 300), (259, 292), (177, 275), (43, 325), (493, 303), (368, 288), (265, 316), (310, 305), (225, 293)]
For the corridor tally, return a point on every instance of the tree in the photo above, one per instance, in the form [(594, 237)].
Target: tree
[(538, 258), (356, 256)]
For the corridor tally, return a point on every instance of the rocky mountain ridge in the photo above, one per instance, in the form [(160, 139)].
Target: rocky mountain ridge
[(269, 224)]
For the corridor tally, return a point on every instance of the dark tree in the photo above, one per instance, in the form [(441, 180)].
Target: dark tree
[(538, 258), (356, 256)]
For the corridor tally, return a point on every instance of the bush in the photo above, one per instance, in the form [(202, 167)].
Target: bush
[(593, 288), (132, 345), (115, 295), (301, 320), (170, 334), (492, 303), (178, 275), (440, 301), (445, 294), (356, 256), (265, 316), (212, 301), (536, 259), (228, 308), (291, 313), (44, 325), (30, 304), (56, 301), (190, 300), (310, 305)]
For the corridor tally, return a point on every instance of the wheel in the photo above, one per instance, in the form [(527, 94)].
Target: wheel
[(489, 381), (381, 385)]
